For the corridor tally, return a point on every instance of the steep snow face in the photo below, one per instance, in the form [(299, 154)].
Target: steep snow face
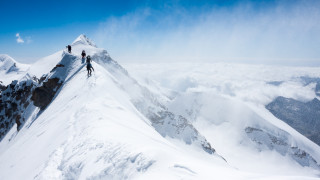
[(10, 69), (151, 105), (45, 65)]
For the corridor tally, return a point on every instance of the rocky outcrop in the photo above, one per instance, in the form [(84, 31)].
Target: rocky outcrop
[(57, 66), (43, 95), (51, 82), (317, 89), (2, 87), (169, 124), (282, 144), (19, 99), (15, 104), (304, 117)]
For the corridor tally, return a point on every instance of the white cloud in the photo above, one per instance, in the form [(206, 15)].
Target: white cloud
[(282, 34), (19, 39)]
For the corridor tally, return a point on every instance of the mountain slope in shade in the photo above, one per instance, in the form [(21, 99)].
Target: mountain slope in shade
[(304, 117)]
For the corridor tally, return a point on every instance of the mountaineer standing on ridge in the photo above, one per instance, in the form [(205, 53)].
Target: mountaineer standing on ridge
[(69, 48), (83, 54), (89, 66)]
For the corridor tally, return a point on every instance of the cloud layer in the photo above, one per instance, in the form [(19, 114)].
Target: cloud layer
[(282, 33)]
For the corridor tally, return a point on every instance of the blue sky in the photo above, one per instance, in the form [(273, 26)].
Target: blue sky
[(285, 32)]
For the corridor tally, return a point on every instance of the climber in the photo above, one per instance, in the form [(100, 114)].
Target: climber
[(89, 66), (83, 54), (69, 48)]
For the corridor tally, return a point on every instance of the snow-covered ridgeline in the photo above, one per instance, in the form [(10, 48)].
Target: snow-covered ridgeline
[(74, 101)]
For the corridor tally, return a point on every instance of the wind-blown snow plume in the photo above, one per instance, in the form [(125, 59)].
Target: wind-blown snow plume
[(282, 32)]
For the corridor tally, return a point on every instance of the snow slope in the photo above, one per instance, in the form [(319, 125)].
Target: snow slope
[(10, 69), (111, 126)]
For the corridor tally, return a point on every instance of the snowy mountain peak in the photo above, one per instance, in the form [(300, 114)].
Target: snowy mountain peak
[(82, 39), (10, 69), (6, 61), (4, 57), (7, 64)]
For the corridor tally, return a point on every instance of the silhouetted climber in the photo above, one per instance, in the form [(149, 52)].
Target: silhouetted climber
[(83, 54), (69, 48), (89, 66)]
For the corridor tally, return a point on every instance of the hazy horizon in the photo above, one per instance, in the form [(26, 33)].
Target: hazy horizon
[(266, 32)]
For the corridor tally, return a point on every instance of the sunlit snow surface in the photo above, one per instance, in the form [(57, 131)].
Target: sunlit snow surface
[(94, 129)]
